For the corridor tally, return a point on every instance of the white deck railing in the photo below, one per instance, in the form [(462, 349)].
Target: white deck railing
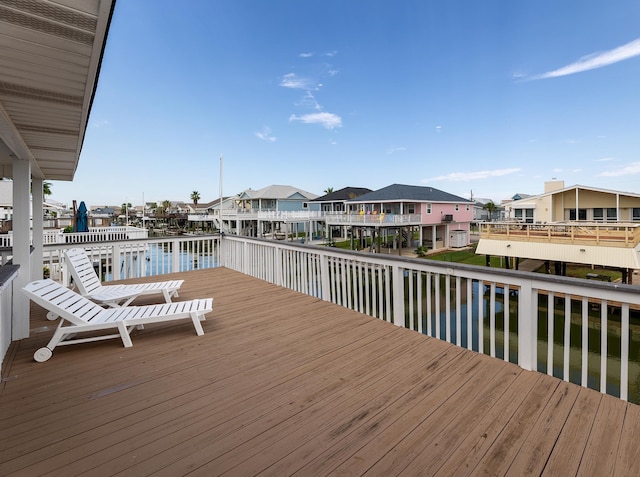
[(553, 323), (95, 234), (116, 260)]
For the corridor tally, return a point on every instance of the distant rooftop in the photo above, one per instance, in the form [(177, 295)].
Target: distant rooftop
[(409, 193)]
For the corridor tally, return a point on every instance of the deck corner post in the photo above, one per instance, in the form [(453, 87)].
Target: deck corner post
[(528, 327)]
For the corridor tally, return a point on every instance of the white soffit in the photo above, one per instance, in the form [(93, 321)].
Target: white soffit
[(50, 55)]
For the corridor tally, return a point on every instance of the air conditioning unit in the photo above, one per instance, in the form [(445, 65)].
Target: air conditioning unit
[(447, 218)]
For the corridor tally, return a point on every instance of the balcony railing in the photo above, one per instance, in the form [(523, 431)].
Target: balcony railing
[(95, 234), (116, 260), (374, 219), (582, 331), (550, 324), (610, 235)]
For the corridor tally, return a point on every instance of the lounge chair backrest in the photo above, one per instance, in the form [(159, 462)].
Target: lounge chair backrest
[(82, 271), (64, 302)]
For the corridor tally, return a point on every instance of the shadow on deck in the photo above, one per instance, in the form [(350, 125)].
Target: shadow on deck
[(284, 383)]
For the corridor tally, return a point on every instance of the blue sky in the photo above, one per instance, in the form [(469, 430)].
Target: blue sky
[(494, 97)]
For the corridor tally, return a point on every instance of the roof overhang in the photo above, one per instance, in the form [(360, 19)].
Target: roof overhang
[(50, 56)]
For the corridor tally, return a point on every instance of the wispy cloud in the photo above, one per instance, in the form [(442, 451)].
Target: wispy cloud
[(472, 176), (306, 55), (291, 80), (331, 53), (393, 150), (309, 101), (265, 135), (595, 60), (628, 170), (605, 159), (328, 120)]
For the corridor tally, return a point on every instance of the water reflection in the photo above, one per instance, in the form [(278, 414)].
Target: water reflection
[(481, 298)]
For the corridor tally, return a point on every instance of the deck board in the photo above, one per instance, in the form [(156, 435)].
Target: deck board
[(285, 384)]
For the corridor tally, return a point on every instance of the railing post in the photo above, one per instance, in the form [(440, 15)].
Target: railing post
[(325, 283), (397, 280), (277, 264), (528, 327), (115, 262), (175, 256)]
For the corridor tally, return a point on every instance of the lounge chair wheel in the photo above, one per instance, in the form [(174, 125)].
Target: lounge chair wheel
[(42, 355), (51, 316)]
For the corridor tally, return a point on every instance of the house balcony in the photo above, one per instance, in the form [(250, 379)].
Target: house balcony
[(604, 244), (577, 233), (374, 220), (318, 361)]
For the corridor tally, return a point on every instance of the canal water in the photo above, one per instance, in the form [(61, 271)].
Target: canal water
[(613, 337), (156, 260)]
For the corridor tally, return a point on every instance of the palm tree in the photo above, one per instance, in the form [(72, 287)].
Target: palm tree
[(328, 190), (491, 207), (195, 197), (46, 189), (125, 207), (166, 208)]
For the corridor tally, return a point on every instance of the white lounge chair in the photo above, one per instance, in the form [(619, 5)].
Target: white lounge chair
[(89, 285), (79, 314)]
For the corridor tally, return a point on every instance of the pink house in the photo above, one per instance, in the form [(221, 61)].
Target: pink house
[(441, 219)]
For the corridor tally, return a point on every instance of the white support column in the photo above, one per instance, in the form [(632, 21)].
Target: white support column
[(21, 246), (37, 226), (434, 234)]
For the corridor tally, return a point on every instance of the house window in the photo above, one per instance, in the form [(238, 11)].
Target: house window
[(582, 214), (636, 214), (518, 213), (411, 208), (457, 207), (598, 214), (428, 208), (467, 208), (612, 214), (529, 216)]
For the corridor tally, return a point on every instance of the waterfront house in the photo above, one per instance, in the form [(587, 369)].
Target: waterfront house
[(337, 203), (482, 214), (577, 224), (275, 210), (399, 213), (575, 203)]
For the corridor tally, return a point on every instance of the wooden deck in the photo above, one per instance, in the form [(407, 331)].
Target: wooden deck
[(286, 384)]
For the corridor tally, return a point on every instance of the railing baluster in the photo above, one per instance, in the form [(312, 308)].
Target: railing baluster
[(505, 322), (585, 340), (603, 345), (624, 352), (492, 320), (550, 319), (567, 336), (469, 313)]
